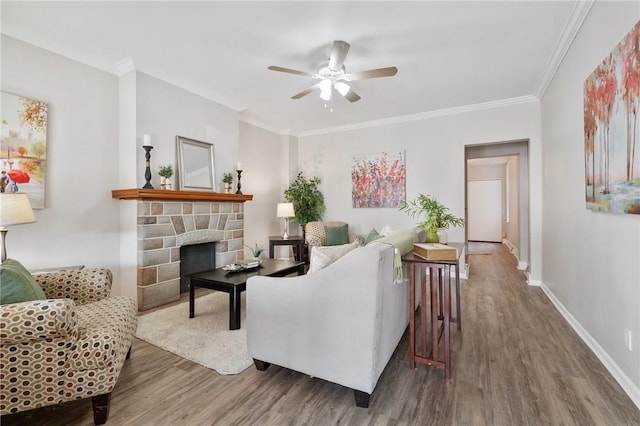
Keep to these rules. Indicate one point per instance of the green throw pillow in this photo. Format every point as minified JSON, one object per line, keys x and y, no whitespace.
{"x":373,"y":235}
{"x":337,"y":235}
{"x":17,"y":285}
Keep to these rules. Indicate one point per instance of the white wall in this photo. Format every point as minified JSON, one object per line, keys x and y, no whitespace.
{"x":165,"y":111}
{"x":592,"y":260}
{"x":128,"y":171}
{"x":485,"y":172}
{"x":79,"y":224}
{"x":435,"y":162}
{"x":264,"y":157}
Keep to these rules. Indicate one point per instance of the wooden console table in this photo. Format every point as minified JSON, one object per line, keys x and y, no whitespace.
{"x":440,"y":300}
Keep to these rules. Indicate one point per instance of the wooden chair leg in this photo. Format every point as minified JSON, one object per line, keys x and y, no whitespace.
{"x":100,"y":405}
{"x":362,"y":398}
{"x":261,"y":365}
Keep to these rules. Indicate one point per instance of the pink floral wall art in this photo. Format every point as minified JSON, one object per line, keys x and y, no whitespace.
{"x":612,"y":128}
{"x":378,"y":180}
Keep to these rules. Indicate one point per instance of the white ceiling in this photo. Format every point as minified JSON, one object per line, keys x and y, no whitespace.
{"x":449,"y":54}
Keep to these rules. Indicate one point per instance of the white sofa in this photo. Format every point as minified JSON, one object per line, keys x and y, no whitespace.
{"x":340,"y":324}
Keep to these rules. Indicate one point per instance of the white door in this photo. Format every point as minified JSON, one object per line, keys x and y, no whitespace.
{"x":484,"y":210}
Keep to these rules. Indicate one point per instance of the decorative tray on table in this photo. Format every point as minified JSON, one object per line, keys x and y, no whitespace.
{"x":242,"y":265}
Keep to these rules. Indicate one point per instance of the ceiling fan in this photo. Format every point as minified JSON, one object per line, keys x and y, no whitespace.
{"x":333,"y":75}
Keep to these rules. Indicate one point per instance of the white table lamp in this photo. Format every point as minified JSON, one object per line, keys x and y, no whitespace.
{"x":15,"y":209}
{"x":285,"y":210}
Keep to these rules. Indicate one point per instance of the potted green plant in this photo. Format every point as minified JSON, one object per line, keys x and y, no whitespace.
{"x":256,"y":250}
{"x":165,"y":173}
{"x":227,"y":179}
{"x":437,"y":215}
{"x":307,"y":199}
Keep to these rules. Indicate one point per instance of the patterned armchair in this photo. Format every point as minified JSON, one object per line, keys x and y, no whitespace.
{"x":70,"y":346}
{"x":316,"y":234}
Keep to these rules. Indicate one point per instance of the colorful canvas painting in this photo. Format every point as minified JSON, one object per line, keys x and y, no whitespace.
{"x":378,"y":180}
{"x":612,"y":128}
{"x":23,"y":147}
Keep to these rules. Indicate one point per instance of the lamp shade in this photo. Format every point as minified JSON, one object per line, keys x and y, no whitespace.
{"x":15,"y":209}
{"x":285,"y":210}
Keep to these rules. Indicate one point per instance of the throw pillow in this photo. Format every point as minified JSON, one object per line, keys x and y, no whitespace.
{"x":323,"y":256}
{"x":17,"y":285}
{"x":337,"y":235}
{"x":386,"y":231}
{"x":373,"y":235}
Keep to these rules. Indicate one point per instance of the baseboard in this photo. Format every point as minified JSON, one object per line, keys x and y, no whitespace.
{"x":516,"y":253}
{"x":627,"y":385}
{"x":534,"y":283}
{"x":509,"y":245}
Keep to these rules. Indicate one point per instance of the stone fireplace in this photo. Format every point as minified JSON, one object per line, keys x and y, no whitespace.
{"x":168,"y":220}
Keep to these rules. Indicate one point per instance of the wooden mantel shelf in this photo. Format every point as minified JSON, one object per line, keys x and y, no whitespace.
{"x":170,"y":195}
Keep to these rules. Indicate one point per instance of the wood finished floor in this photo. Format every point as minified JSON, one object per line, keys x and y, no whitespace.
{"x":516,"y":362}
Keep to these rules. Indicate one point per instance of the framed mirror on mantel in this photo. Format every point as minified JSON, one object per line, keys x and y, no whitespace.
{"x":196,"y":165}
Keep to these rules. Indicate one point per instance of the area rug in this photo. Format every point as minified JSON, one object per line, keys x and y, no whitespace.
{"x":205,"y":339}
{"x":475,"y":248}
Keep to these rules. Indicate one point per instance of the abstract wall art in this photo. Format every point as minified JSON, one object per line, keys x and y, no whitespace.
{"x":378,"y":180}
{"x":23,"y":147}
{"x":612,"y":129}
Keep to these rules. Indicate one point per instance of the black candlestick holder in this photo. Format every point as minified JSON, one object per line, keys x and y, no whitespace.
{"x":239,"y":186}
{"x":147,"y":172}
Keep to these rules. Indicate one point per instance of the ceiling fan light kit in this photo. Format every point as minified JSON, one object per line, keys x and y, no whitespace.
{"x":325,"y":89}
{"x":333,"y":75}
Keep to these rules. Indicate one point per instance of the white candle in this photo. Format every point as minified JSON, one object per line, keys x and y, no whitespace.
{"x":239,"y":166}
{"x":146,"y":140}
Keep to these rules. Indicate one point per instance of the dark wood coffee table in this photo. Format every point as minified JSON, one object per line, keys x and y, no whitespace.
{"x":235,"y":283}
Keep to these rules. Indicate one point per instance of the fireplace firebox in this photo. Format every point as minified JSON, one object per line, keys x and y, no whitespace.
{"x":196,"y":258}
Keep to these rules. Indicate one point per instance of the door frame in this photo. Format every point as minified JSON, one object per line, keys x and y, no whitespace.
{"x":518,"y":148}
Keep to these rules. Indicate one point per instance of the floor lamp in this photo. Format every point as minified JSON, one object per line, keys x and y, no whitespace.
{"x":15,"y":209}
{"x":285,"y":210}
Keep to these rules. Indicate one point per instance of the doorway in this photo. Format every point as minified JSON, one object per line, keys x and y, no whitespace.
{"x":497,"y":196}
{"x":484,"y":198}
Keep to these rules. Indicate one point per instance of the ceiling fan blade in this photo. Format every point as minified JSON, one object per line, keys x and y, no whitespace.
{"x":306,"y":91}
{"x":377,"y":73}
{"x":338,"y":54}
{"x":352,"y":96}
{"x":290,"y":71}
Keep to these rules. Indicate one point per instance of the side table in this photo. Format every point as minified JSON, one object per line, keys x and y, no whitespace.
{"x":440,"y":297}
{"x":294,"y":240}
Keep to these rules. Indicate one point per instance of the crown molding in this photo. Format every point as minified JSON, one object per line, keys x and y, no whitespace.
{"x":124,"y":66}
{"x":424,"y":115}
{"x":245,"y":117}
{"x":574,"y":23}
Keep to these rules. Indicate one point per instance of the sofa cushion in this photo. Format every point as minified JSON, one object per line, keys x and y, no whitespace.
{"x":17,"y":285}
{"x":323,"y":256}
{"x":373,"y":235}
{"x":337,"y":235}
